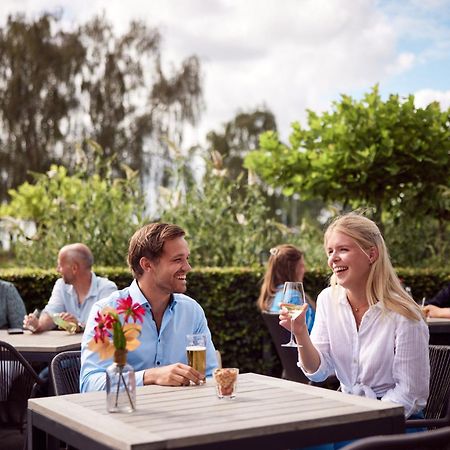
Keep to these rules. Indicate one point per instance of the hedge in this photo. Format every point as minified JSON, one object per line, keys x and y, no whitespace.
{"x":228,"y":296}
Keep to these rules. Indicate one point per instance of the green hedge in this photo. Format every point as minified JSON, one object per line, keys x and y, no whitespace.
{"x":228,"y":297}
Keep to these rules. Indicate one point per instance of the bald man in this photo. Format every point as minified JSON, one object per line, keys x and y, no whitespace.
{"x":75,"y":292}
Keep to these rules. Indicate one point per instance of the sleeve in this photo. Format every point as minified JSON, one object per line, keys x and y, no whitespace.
{"x":321,"y":341}
{"x":92,"y":373}
{"x":106,"y":288}
{"x":15,"y":307}
{"x":56,"y":303}
{"x":411,"y":367}
{"x":442,"y":298}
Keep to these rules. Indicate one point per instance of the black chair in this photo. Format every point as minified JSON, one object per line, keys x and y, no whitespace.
{"x":18,"y":383}
{"x":287,"y":355}
{"x":423,"y":440}
{"x":437,"y":411}
{"x":65,"y":372}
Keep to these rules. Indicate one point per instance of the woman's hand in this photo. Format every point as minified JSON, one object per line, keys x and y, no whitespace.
{"x":298,"y":324}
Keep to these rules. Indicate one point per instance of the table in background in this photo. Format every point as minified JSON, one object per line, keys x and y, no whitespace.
{"x":42,"y":347}
{"x":439,"y":331}
{"x":268,"y":413}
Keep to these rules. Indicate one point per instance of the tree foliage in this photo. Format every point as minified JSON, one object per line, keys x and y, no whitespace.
{"x":388,"y":155}
{"x":228,"y":221}
{"x":58,"y":209}
{"x":240,"y":135}
{"x":61,"y":87}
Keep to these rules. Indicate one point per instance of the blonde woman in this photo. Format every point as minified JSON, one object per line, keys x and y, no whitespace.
{"x":286,"y":263}
{"x":368,"y":330}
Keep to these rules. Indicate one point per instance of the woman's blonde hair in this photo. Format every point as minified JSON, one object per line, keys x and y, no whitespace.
{"x":383,"y":284}
{"x":281,"y":267}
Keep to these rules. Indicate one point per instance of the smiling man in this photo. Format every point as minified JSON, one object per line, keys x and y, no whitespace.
{"x":158,"y":256}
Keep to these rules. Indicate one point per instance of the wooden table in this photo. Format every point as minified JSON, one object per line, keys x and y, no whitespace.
{"x":42,"y":346}
{"x":439,"y":331}
{"x":268,"y":413}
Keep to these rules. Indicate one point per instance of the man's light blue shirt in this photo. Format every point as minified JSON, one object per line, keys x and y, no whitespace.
{"x":182,"y":316}
{"x":64,"y":297}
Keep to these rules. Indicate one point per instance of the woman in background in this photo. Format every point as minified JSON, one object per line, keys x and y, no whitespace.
{"x":286,"y":263}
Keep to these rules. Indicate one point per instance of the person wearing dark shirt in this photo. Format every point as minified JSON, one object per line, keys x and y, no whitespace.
{"x":439,"y":305}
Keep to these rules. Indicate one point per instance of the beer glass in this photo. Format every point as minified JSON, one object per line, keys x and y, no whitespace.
{"x":196,"y":352}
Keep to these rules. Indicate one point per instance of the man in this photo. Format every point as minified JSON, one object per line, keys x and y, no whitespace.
{"x":75,"y":292}
{"x":439,"y":305}
{"x":158,"y":257}
{"x":12,"y":308}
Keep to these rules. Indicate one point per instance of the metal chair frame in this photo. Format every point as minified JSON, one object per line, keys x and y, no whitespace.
{"x":18,"y":383}
{"x":65,"y":372}
{"x":422,"y":440}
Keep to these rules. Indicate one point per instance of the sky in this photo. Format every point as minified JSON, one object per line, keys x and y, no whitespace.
{"x":286,"y":55}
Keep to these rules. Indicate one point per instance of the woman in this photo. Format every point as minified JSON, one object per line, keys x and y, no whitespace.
{"x":368,"y":330}
{"x":286,"y":263}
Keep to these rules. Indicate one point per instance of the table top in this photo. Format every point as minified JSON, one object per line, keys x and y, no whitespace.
{"x":53,"y":341}
{"x":437,"y":320}
{"x":183,"y":417}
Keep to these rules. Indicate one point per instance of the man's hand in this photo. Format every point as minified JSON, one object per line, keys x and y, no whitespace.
{"x":174,"y":375}
{"x":68,"y":317}
{"x":435,"y":311}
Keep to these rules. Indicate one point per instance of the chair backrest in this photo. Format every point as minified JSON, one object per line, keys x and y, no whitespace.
{"x":423,"y":440}
{"x":18,"y":383}
{"x":439,"y":397}
{"x":287,"y":355}
{"x":65,"y":372}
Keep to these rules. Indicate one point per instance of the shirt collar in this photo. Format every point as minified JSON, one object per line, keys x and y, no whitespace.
{"x":138,"y":296}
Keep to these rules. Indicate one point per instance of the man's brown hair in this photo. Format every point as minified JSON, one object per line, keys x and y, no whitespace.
{"x":148,"y":242}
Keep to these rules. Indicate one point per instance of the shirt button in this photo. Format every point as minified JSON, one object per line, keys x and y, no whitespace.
{"x":158,"y":363}
{"x":159,"y":340}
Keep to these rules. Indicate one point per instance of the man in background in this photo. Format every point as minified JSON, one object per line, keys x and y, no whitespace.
{"x":74,"y":293}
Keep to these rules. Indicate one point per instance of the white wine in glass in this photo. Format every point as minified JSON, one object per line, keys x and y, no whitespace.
{"x":294,"y":302}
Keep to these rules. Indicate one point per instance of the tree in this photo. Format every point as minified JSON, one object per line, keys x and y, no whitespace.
{"x":58,"y":88}
{"x":239,"y":136}
{"x":37,"y":92}
{"x":388,"y":155}
{"x":97,"y":209}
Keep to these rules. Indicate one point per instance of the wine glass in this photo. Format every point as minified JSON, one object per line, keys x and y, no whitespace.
{"x":294,"y":302}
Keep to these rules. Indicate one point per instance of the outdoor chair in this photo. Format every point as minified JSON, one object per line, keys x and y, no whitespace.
{"x":65,"y":372}
{"x":437,"y":411}
{"x":423,"y":440}
{"x":287,"y":355}
{"x":18,"y":383}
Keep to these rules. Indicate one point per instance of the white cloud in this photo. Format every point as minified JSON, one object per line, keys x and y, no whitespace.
{"x":424,"y":97}
{"x":289,"y":55}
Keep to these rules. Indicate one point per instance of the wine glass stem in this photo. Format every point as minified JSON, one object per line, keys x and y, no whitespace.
{"x":292,"y":332}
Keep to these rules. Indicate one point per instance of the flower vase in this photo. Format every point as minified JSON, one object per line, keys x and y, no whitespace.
{"x":120,"y":384}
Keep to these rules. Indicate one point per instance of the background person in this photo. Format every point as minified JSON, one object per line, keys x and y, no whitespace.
{"x":367,"y":330}
{"x":158,"y":257}
{"x":12,"y":307}
{"x":439,"y":305}
{"x":286,"y":263}
{"x":75,"y":292}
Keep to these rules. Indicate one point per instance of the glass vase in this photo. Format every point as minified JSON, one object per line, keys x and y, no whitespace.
{"x":120,"y":384}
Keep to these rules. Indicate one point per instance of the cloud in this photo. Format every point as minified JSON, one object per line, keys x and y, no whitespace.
{"x":424,"y":97}
{"x":289,"y":55}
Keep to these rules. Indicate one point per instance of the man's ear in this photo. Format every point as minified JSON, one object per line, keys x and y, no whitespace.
{"x":145,"y":264}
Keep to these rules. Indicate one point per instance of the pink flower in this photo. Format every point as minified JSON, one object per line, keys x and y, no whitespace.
{"x":104,"y":323}
{"x":128,"y":309}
